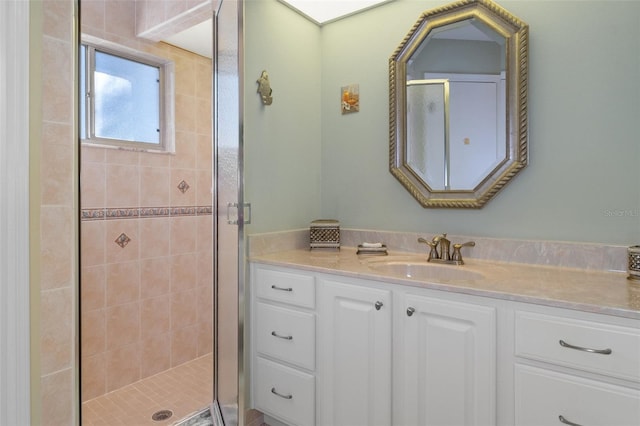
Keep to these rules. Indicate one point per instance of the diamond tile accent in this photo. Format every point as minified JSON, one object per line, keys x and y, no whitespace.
{"x":122,"y":240}
{"x":183,"y":186}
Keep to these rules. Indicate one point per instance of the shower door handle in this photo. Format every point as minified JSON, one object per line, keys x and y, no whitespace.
{"x":235,"y":206}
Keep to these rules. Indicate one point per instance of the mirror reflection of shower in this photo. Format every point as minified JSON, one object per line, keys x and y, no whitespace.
{"x":147,"y":243}
{"x":461,"y":135}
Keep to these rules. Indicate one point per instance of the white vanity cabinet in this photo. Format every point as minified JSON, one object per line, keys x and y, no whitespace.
{"x":354,"y":347}
{"x":283,"y":337}
{"x":576,"y":371}
{"x":330,"y":350}
{"x":446,"y":362}
{"x":436,"y":366}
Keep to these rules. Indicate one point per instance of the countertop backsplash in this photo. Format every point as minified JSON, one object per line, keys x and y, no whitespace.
{"x":586,"y":256}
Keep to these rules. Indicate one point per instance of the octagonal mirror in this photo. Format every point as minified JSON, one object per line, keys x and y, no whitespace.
{"x":458,"y":104}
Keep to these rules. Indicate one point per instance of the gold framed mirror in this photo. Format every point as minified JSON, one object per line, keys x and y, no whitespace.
{"x":458,"y":104}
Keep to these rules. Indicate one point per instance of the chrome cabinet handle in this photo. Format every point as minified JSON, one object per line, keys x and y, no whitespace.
{"x":567,"y":422}
{"x":378,"y":305}
{"x":279,"y":336}
{"x":275,"y":287}
{"x":273,"y":391}
{"x":410,"y":311}
{"x":579,"y":348}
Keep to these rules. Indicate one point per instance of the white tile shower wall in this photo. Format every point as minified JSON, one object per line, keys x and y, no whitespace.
{"x":550,"y":253}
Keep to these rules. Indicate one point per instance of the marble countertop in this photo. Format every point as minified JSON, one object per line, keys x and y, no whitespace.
{"x":601,"y":292}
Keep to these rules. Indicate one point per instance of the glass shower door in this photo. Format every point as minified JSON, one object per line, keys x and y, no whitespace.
{"x":229,"y":223}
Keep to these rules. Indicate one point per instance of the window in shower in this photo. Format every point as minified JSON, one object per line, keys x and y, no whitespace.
{"x":127,"y":97}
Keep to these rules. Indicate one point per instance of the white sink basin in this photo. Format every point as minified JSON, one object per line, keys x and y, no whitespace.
{"x":420,"y":269}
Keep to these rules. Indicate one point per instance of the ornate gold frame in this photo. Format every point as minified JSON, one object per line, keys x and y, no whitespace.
{"x":516,"y":34}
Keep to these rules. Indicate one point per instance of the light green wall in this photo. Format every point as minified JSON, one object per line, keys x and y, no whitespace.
{"x":283,"y":140}
{"x":458,"y":56}
{"x":582,"y":183}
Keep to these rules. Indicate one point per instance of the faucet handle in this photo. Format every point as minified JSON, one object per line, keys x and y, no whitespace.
{"x":433,"y":253}
{"x":457,"y":256}
{"x":467,"y":244}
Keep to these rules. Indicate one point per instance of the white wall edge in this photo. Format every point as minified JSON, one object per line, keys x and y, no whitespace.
{"x":14,"y":213}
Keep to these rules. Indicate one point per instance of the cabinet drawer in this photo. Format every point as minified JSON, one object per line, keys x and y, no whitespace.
{"x":543,"y":396}
{"x":539,"y":337}
{"x":286,"y":334}
{"x":285,"y":393}
{"x":287,"y":287}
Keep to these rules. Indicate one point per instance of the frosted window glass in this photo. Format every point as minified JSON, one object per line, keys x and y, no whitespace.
{"x":126,"y":99}
{"x":83,"y":91}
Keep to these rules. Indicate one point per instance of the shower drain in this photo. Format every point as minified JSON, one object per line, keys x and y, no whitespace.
{"x":161,"y":415}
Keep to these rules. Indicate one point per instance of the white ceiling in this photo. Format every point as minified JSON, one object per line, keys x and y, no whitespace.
{"x":324,"y":11}
{"x":199,"y":39}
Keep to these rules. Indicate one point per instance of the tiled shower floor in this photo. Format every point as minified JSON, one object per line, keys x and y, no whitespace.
{"x":183,"y":390}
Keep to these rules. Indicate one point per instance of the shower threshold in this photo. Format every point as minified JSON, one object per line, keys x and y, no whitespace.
{"x":210,"y":416}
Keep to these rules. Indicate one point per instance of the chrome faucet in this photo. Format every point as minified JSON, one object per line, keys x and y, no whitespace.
{"x":444,"y":255}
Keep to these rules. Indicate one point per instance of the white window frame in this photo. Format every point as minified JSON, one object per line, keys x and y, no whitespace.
{"x":167,"y":102}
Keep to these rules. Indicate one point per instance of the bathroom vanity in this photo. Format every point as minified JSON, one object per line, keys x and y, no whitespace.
{"x":342,"y":339}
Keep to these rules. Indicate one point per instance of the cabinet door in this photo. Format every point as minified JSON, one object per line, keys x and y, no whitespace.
{"x":550,"y":398}
{"x":446,"y":365}
{"x":354,"y":364}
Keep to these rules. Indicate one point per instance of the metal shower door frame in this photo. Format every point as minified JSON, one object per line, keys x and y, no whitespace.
{"x":228,"y":236}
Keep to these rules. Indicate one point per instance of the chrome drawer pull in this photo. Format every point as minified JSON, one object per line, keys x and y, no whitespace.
{"x":378,"y":305}
{"x":275,"y":287}
{"x":410,"y":311}
{"x":578,"y":348}
{"x":273,"y":391}
{"x":567,"y":422}
{"x":273,"y":333}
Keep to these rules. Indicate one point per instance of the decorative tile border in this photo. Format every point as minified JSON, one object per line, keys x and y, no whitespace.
{"x":121,"y":213}
{"x":155,"y":211}
{"x":92,"y":214}
{"x":144,"y":212}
